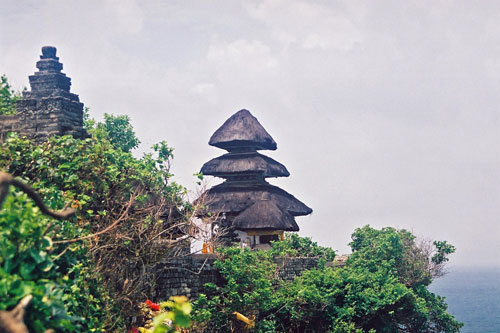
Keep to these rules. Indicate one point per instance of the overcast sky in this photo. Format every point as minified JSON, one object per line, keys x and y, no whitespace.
{"x":385,"y":112}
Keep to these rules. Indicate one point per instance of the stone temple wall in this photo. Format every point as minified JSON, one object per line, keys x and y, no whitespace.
{"x":187,"y":275}
{"x":49,"y":108}
{"x":8,"y":123}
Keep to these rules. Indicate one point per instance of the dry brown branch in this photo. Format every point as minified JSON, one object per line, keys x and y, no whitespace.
{"x":123,"y":215}
{"x":428,"y":249}
{"x":127,"y":255}
{"x":12,"y":321}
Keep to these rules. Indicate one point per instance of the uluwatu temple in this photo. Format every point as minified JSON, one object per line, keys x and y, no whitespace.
{"x":245,"y":209}
{"x":248,"y":209}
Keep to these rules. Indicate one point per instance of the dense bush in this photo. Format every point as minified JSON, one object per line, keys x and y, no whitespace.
{"x":66,"y":294}
{"x":372,"y":292}
{"x":127,"y":212}
{"x":295,"y":246}
{"x":251,"y":285}
{"x":118,"y":130}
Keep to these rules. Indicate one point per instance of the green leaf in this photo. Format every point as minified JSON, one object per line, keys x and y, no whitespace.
{"x":26,"y":269}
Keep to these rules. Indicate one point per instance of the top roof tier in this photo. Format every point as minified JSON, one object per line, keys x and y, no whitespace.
{"x":49,"y":76}
{"x":242,"y":132}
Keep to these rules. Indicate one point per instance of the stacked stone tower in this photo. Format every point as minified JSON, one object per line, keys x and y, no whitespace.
{"x":249,"y":208}
{"x":49,"y":108}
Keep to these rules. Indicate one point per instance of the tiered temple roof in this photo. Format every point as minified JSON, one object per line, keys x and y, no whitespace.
{"x":247,"y":200}
{"x":231,"y":164}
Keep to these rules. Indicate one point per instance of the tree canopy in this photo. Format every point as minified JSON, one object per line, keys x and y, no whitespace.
{"x":372,"y":293}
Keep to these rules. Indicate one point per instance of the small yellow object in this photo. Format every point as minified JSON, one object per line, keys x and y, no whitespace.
{"x":250,"y":323}
{"x":179,"y":299}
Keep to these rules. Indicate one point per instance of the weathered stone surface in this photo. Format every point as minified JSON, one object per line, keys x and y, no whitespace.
{"x":187,"y":275}
{"x":49,"y":108}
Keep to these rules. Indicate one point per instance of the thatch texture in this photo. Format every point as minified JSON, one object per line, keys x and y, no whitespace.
{"x":242,"y":130}
{"x":232,"y":197}
{"x":265,"y":215}
{"x":244,"y":163}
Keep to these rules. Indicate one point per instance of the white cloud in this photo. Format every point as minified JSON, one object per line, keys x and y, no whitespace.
{"x":128,"y":16}
{"x":308,"y":24}
{"x":402,"y":130}
{"x":241,"y":55}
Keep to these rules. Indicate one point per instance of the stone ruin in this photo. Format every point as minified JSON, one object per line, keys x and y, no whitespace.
{"x":49,"y":108}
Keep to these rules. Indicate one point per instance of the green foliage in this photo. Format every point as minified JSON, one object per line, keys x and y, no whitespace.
{"x":373,"y":292}
{"x":247,"y":288}
{"x":109,"y":188}
{"x":94,"y":175}
{"x":199,"y":177}
{"x":251,"y":285}
{"x":296,"y":246}
{"x":30,"y":263}
{"x":8,"y":97}
{"x":27,"y":266}
{"x":167,"y":317}
{"x":117,"y":129}
{"x":178,"y":314}
{"x":443,"y":250}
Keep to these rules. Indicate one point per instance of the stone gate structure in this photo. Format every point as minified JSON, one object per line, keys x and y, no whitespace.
{"x":49,"y":108}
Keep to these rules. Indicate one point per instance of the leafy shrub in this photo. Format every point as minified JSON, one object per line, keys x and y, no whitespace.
{"x":251,"y":285}
{"x":118,"y":130}
{"x":128,"y":204}
{"x":247,"y":288}
{"x":174,"y":315}
{"x":31,"y":264}
{"x":296,"y":246}
{"x":371,"y":293}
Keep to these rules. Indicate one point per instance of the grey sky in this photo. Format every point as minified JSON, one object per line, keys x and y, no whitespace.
{"x":385,"y":112}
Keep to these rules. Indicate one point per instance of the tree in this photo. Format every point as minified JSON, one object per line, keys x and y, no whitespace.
{"x":119,"y":131}
{"x":417,"y":261}
{"x":383,"y":287}
{"x":8,"y":97}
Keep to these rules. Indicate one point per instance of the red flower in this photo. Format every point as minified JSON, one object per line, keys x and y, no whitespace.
{"x":152,"y":306}
{"x":133,"y":330}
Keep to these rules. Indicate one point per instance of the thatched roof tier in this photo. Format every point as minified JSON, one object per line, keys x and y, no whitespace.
{"x":265,"y":215}
{"x":240,"y":131}
{"x":244,"y":163}
{"x":232,"y":197}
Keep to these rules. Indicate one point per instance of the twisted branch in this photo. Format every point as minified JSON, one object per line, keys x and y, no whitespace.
{"x":6,"y":180}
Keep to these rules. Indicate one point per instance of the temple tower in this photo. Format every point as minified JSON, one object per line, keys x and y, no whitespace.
{"x":250,"y":209}
{"x":49,"y":108}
